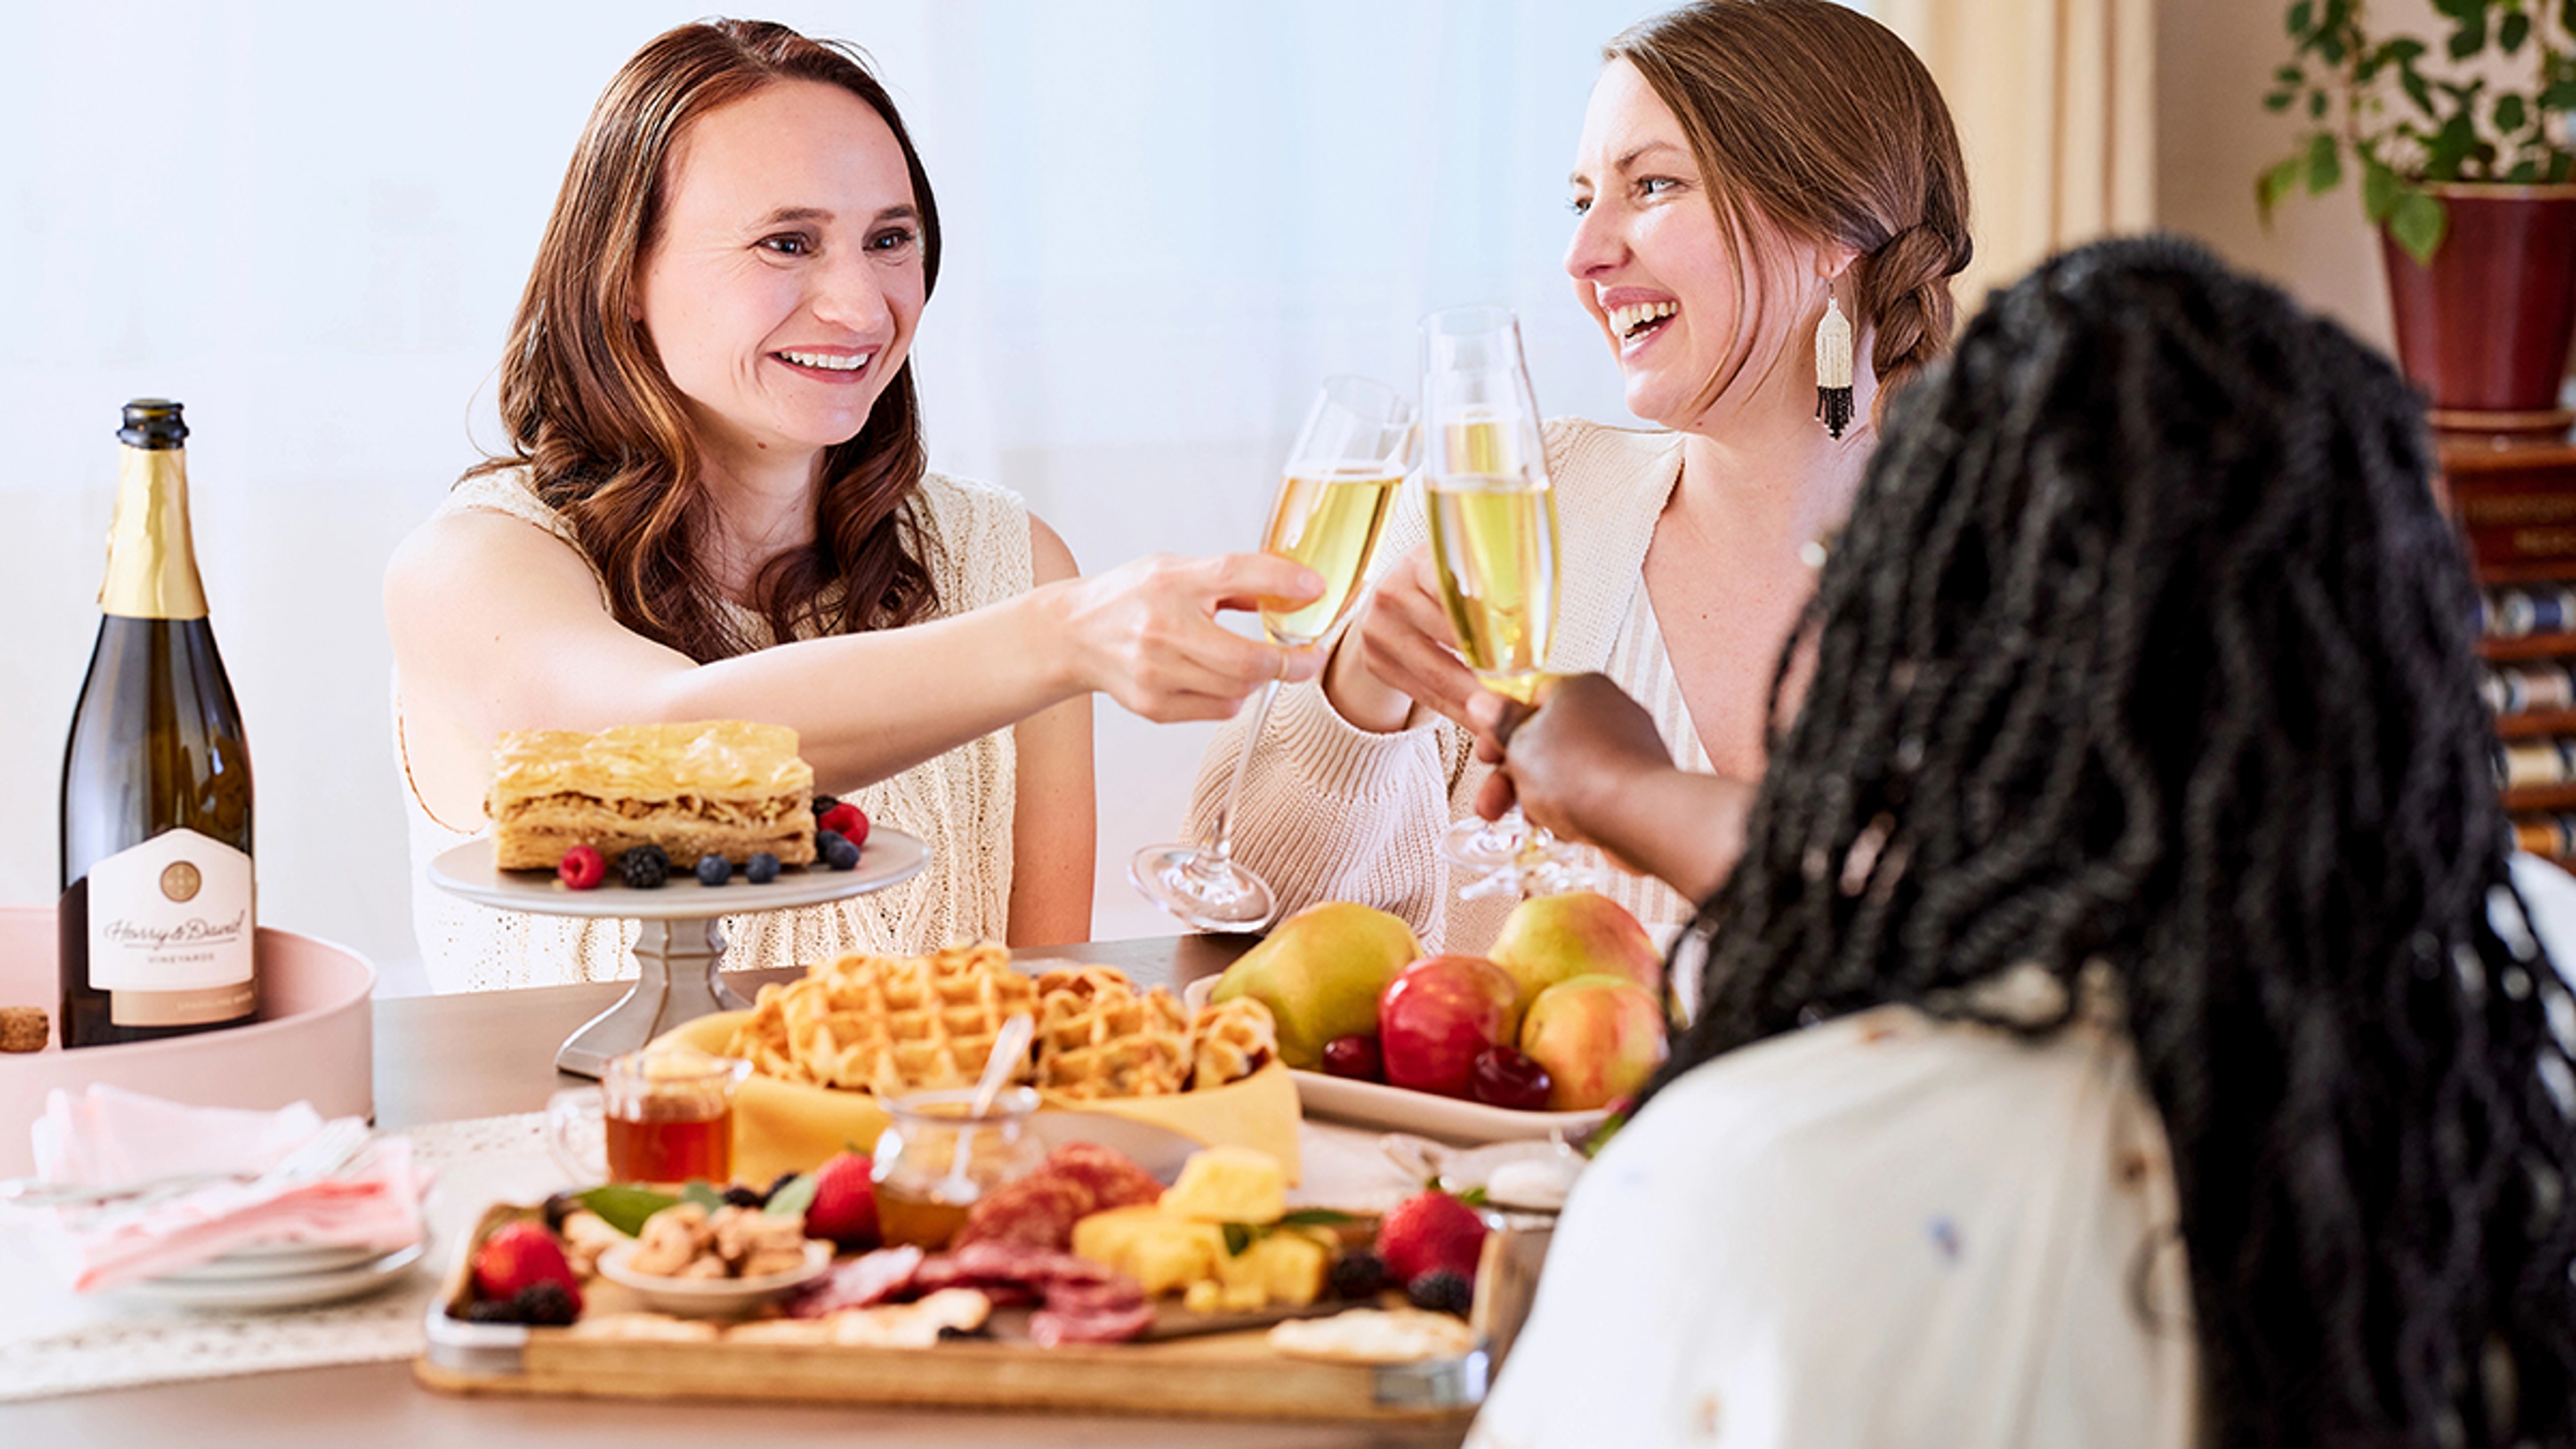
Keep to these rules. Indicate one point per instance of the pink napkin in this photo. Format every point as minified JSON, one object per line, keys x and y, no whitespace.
{"x":109,"y":1137}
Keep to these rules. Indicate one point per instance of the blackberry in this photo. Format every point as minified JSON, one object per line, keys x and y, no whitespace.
{"x":1359,"y":1275}
{"x":1442,"y":1290}
{"x":645,"y":868}
{"x":548,"y":1304}
{"x":836,"y":850}
{"x":778,"y":1183}
{"x":489,"y":1310}
{"x":825,"y":804}
{"x":761,"y":869}
{"x":714,"y":869}
{"x":745,"y":1197}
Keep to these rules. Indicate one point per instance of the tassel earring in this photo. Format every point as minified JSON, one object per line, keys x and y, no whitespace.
{"x":1834,"y":368}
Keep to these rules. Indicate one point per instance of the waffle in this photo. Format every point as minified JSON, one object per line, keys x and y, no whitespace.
{"x":886,"y":1024}
{"x":1230,"y":1040}
{"x":1098,"y":1038}
{"x":726,"y":787}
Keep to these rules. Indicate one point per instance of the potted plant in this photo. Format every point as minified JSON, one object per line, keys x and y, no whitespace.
{"x":2466,"y":174}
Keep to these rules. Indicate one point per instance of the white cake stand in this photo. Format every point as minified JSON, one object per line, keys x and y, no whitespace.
{"x":683,"y":944}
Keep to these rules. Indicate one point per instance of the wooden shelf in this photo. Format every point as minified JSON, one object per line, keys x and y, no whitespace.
{"x":2540,"y":798}
{"x":2535,"y":724}
{"x":2529,"y":646}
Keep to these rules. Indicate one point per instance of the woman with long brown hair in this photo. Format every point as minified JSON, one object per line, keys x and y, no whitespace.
{"x":717,"y":505}
{"x":1745,"y":167}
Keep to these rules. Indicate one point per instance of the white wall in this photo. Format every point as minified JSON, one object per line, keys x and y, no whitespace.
{"x":309,"y":222}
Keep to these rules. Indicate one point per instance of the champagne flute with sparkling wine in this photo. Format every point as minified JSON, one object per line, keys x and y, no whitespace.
{"x":1493,"y":542}
{"x":1337,"y":490}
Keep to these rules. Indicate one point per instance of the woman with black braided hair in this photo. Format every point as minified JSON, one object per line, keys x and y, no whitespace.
{"x":2123,"y":1024}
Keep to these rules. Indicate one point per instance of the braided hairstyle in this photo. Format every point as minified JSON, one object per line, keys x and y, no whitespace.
{"x":1815,"y":118}
{"x":2147,"y":650}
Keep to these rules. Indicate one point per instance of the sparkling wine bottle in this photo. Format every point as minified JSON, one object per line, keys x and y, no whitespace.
{"x":157,"y":914}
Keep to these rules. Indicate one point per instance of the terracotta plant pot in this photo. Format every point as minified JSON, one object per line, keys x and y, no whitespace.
{"x":2484,"y":330}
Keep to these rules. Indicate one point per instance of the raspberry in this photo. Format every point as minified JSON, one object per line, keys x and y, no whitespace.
{"x":1358,"y":1275}
{"x":545,"y":1303}
{"x":581,"y":868}
{"x":1442,"y":1290}
{"x":644,"y":868}
{"x":836,"y":850}
{"x":714,"y":870}
{"x":761,"y":869}
{"x":847,"y":821}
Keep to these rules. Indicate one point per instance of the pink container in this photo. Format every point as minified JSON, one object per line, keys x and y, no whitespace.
{"x":314,"y":1041}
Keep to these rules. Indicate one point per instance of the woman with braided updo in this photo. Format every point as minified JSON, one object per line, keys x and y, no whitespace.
{"x":1742,"y":163}
{"x":2124,"y":1024}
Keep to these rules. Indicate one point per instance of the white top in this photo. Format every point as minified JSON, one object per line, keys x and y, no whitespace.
{"x":1332,"y":812}
{"x":962,"y":803}
{"x":1884,"y":1230}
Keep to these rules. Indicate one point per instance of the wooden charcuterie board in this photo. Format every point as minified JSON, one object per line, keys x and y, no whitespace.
{"x":1226,"y":1374}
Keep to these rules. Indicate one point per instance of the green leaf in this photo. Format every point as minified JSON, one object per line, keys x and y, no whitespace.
{"x":2471,"y":37}
{"x":792,"y":1199}
{"x":2513,"y":32}
{"x":2379,"y":190}
{"x":624,"y":1206}
{"x":2302,"y":15}
{"x":2417,"y":90}
{"x":2417,"y":222}
{"x":2316,"y":105}
{"x":2332,"y":48}
{"x":703,"y":1195}
{"x":2526,"y":172}
{"x":2509,"y":114}
{"x":1317,"y":1218}
{"x":2290,"y":75}
{"x":2408,"y":48}
{"x":2278,"y":101}
{"x":2325,"y":163}
{"x":2559,"y":95}
{"x":1238,"y":1238}
{"x":2275,"y":187}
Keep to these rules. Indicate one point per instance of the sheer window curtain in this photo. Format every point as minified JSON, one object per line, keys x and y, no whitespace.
{"x":2055,"y":104}
{"x":1165,"y":222}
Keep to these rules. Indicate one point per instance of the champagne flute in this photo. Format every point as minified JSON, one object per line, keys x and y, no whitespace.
{"x":1334,"y":497}
{"x":1493,"y":542}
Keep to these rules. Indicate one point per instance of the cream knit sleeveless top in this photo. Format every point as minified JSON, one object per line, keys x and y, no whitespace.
{"x":976,"y":541}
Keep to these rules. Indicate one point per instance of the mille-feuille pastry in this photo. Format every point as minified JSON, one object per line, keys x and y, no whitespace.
{"x":725,"y":787}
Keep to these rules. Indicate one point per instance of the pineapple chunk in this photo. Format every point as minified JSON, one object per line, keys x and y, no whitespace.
{"x":1228,"y":1185}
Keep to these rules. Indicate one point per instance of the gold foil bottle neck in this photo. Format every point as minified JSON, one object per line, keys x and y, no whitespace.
{"x":151,"y":556}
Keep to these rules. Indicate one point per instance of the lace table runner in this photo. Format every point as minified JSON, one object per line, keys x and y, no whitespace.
{"x":53,"y":1343}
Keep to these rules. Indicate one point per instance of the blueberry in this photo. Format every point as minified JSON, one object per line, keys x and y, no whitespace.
{"x":824,"y":804}
{"x":644,"y":868}
{"x":1442,"y":1290}
{"x":761,"y":869}
{"x":836,"y":850}
{"x":714,"y":870}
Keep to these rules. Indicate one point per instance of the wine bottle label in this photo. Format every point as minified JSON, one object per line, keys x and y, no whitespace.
{"x":173,"y":915}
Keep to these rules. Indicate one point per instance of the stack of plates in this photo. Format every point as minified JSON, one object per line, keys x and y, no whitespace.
{"x":280,"y":1275}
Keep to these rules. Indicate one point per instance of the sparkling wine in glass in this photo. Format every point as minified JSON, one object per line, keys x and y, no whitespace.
{"x":1493,"y":542}
{"x":1334,"y":496}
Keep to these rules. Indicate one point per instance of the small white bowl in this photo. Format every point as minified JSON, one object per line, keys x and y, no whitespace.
{"x":711,"y":1297}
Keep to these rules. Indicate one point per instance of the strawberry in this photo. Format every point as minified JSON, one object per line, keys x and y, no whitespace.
{"x":845,"y":1202}
{"x":1429,"y":1232}
{"x":519,"y":1255}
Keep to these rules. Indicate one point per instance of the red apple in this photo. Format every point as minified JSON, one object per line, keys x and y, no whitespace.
{"x":1600,"y":1038}
{"x":1436,"y":1015}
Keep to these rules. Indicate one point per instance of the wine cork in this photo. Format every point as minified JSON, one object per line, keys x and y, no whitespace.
{"x":2523,"y":688}
{"x":25,"y":1029}
{"x":2535,"y":834}
{"x":2534,"y":762}
{"x":2552,"y":610}
{"x":2505,"y":614}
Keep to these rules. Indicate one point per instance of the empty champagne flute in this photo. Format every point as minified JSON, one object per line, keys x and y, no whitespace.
{"x":1493,"y":543}
{"x":1340,"y":484}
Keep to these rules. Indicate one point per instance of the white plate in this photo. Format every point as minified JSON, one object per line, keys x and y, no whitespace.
{"x":1401,"y":1109}
{"x":291,"y":1290}
{"x":889,"y":858}
{"x":274,"y":1260}
{"x":711,"y":1297}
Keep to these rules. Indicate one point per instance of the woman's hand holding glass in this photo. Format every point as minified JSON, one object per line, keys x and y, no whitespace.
{"x":1145,"y":633}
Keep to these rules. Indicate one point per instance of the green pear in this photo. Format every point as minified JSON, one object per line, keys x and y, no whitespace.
{"x":1548,"y":939}
{"x":1320,"y":972}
